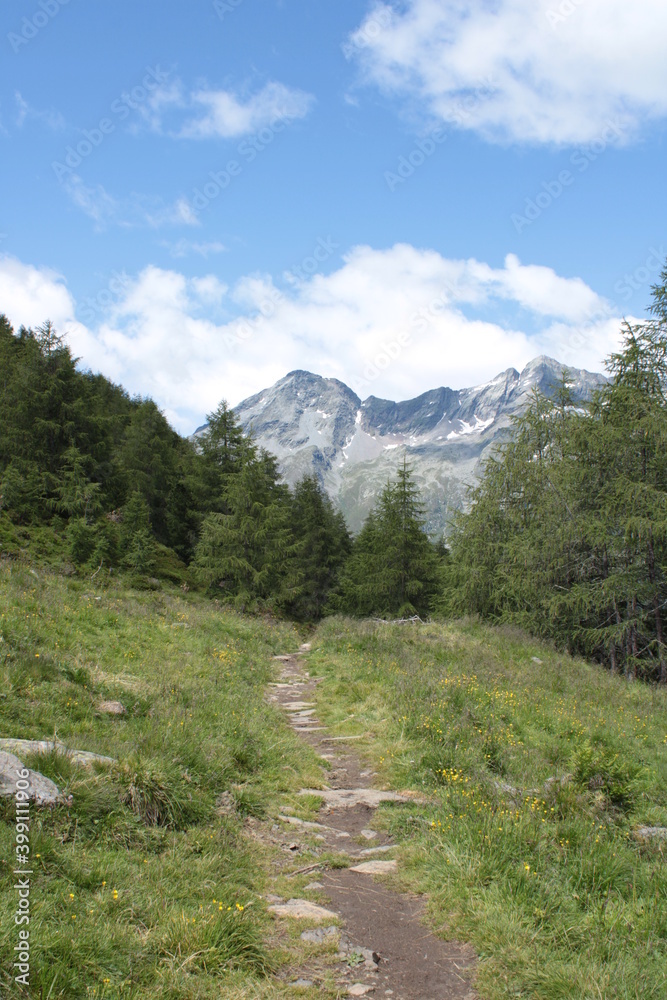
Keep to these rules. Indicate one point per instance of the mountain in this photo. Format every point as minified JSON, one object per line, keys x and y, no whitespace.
{"x":319,"y":424}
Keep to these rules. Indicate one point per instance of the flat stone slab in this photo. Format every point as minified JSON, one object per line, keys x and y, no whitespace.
{"x":48,"y":746}
{"x":302,"y":909}
{"x":295,"y":706}
{"x":360,"y":990}
{"x":319,"y":935}
{"x":42,"y":791}
{"x":305,"y":825}
{"x":305,"y":647}
{"x":283,"y":658}
{"x":375,"y":867}
{"x":342,"y":739}
{"x":347,"y":798}
{"x":302,"y":823}
{"x":305,"y":714}
{"x":651,"y":833}
{"x":376,"y":850}
{"x":369,"y":834}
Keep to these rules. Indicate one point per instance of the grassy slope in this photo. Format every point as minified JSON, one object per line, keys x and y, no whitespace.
{"x":122,"y":907}
{"x":556,"y":894}
{"x":552,"y":889}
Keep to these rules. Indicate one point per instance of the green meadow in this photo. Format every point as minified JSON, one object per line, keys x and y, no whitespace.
{"x":535,"y":771}
{"x":531,"y":774}
{"x":145,"y":885}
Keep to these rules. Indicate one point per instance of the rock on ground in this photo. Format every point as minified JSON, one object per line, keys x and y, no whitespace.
{"x":42,"y":791}
{"x":48,"y":746}
{"x":347,"y":798}
{"x":375,"y":867}
{"x":111,"y":707}
{"x":318,"y":935}
{"x":302,"y":909}
{"x":651,"y":833}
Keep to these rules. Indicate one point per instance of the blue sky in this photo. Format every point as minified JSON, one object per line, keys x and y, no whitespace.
{"x":205,"y":196}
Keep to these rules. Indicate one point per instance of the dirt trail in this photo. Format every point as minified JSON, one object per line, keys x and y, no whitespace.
{"x":384,"y":948}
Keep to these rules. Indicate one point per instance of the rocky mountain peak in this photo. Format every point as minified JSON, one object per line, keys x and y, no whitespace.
{"x":312,"y":423}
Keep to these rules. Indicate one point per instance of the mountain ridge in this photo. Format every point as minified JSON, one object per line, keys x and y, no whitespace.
{"x":316,"y":424}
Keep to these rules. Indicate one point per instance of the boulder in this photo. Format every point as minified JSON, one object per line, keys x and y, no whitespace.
{"x":42,"y":791}
{"x":111,"y":707}
{"x":651,"y":833}
{"x":48,"y":746}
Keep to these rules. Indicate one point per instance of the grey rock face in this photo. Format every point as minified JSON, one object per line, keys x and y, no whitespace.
{"x":314,"y":424}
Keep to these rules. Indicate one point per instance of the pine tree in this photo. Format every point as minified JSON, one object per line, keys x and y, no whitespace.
{"x":567,"y":532}
{"x":224,"y":450}
{"x":321,"y":544}
{"x":137,"y":542}
{"x":243,"y":552}
{"x":394,"y":568}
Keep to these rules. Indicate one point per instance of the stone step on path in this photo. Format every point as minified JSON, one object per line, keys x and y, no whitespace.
{"x":302,"y":909}
{"x":348,"y":798}
{"x":375,"y":867}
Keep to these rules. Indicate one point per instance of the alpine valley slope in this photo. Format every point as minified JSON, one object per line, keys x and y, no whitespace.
{"x":318,"y":424}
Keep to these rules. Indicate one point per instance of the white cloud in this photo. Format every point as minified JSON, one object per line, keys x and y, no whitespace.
{"x":29,"y":295}
{"x":190,"y":342}
{"x":93,"y":200}
{"x":52,"y":119}
{"x":135,"y":210}
{"x":224,"y":114}
{"x":537,"y":71}
{"x":183,"y":248}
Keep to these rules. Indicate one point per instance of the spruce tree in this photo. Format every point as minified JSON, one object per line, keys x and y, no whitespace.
{"x":567,"y":531}
{"x":394,"y":568}
{"x":242,"y":552}
{"x":224,"y":450}
{"x":321,"y":544}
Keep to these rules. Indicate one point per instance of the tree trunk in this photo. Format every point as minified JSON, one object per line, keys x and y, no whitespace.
{"x":661,"y":640}
{"x":656,"y":611}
